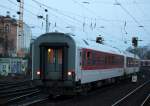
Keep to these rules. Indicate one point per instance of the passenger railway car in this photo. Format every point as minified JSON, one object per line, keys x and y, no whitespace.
{"x":131,"y":63}
{"x":145,"y":65}
{"x":65,"y":63}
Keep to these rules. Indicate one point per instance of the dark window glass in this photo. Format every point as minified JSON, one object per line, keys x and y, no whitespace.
{"x":88,"y":55}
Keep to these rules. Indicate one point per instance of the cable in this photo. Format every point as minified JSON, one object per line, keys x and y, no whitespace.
{"x":139,"y":8}
{"x":30,"y":11}
{"x":25,"y":9}
{"x":89,"y":10}
{"x":16,"y":10}
{"x":5,"y":7}
{"x":12,"y":2}
{"x":127,"y":12}
{"x":56,"y":10}
{"x":59,"y":12}
{"x":94,"y":13}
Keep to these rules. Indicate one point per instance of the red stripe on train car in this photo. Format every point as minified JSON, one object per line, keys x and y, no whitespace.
{"x":100,"y":67}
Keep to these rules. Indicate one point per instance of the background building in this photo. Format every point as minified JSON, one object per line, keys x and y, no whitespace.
{"x":24,"y":40}
{"x":11,"y":43}
{"x":8,"y":35}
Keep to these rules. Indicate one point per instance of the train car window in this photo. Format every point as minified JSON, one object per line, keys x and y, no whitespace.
{"x":121,"y":62}
{"x":128,"y":62}
{"x":141,"y":63}
{"x":83,"y":58}
{"x":105,"y":59}
{"x":109,"y":59}
{"x":112,"y":60}
{"x":88,"y":58}
{"x":50,"y":53}
{"x":88,"y":55}
{"x":102,"y":60}
{"x":93,"y":58}
{"x":117,"y":59}
{"x":146,"y":63}
{"x":96,"y":58}
{"x":59,"y":56}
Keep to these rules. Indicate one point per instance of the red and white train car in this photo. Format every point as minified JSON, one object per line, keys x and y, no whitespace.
{"x":145,"y":64}
{"x":62,"y":61}
{"x":131,"y":63}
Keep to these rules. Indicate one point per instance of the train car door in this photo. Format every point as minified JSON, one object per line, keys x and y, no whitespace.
{"x":53,"y":62}
{"x":53,"y":66}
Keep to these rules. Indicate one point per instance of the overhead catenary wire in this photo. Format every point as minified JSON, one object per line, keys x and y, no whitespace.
{"x":140,"y":9}
{"x":89,"y":10}
{"x":71,"y":16}
{"x":95,"y":14}
{"x":35,"y":14}
{"x":60,"y":13}
{"x":135,"y":20}
{"x":75,"y":14}
{"x":92,"y":25}
{"x":56,"y":10}
{"x":12,"y":2}
{"x":9,"y":8}
{"x":24,"y":8}
{"x":72,"y":21}
{"x":5,"y":7}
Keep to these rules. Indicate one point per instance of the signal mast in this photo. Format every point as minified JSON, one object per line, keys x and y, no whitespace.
{"x":134,"y":44}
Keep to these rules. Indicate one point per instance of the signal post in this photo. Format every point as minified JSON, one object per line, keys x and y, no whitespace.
{"x":134,"y":44}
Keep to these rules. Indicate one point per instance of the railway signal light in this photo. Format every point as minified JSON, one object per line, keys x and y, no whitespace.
{"x":99,"y":40}
{"x":18,"y":1}
{"x":18,"y":12}
{"x":135,"y":41}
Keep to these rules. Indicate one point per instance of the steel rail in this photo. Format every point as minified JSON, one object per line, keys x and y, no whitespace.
{"x":143,"y":103}
{"x":130,"y":93}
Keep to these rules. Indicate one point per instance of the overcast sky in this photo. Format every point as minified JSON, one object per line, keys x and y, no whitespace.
{"x":116,"y":20}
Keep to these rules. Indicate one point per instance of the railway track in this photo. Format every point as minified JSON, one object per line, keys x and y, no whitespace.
{"x":21,"y":93}
{"x":135,"y":97}
{"x":146,"y":101}
{"x":5,"y":85}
